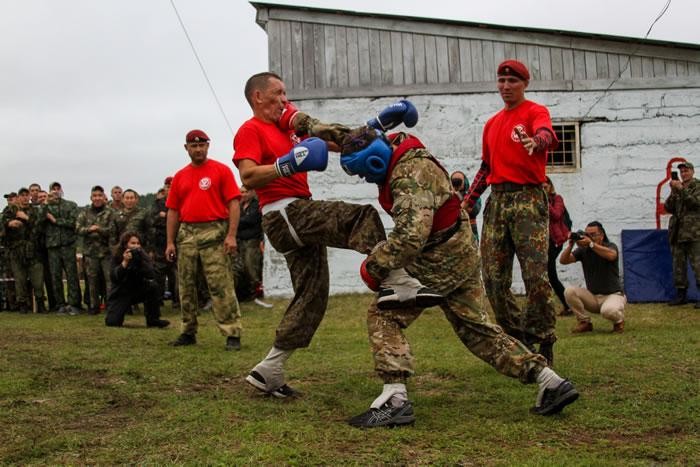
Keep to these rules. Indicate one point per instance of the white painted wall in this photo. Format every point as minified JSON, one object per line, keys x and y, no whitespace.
{"x":623,"y":156}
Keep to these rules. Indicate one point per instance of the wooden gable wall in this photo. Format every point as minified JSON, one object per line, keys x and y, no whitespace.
{"x":322,"y":54}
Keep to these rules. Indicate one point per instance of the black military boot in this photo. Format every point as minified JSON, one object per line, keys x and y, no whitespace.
{"x":24,"y":308}
{"x":681,"y":299}
{"x":184,"y":339}
{"x":40,"y":307}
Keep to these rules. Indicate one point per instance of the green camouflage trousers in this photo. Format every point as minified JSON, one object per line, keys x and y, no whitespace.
{"x":62,"y":258}
{"x":94,"y":268}
{"x":517,"y":223}
{"x":205,"y":242}
{"x":23,"y":268}
{"x":317,"y":225}
{"x":682,"y":253}
{"x":247,"y":269}
{"x":451,"y":268}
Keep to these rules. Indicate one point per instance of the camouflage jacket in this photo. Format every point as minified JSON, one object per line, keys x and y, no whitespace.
{"x":63,"y":231}
{"x":27,"y":235}
{"x":419,"y":187}
{"x":159,"y":234}
{"x":138,"y":220}
{"x":98,"y":243}
{"x":684,"y":207}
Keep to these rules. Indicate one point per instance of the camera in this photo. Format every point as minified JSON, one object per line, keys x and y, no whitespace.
{"x":135,"y":253}
{"x":457,"y":182}
{"x":674,"y":175}
{"x":578,"y":235}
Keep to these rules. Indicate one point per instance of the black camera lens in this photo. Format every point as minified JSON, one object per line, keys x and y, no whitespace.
{"x":456,"y":182}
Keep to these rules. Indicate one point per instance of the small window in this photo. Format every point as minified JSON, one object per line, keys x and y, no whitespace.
{"x":568,"y":154}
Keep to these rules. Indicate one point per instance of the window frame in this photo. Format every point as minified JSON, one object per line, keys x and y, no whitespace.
{"x":577,"y":149}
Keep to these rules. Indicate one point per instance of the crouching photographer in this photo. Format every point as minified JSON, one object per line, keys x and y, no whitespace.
{"x":133,"y":281}
{"x":603,"y":293}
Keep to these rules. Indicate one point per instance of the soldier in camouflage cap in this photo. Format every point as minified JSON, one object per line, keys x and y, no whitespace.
{"x":684,"y":230}
{"x":21,"y":225}
{"x":96,"y":225}
{"x":432,"y":240}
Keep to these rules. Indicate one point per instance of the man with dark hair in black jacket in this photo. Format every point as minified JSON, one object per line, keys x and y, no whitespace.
{"x":248,"y":262}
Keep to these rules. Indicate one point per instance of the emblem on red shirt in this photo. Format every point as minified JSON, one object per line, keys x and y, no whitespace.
{"x":205,"y":183}
{"x":514,"y":134}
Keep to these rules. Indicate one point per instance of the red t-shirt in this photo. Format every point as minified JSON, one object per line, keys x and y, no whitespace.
{"x":264,"y":143}
{"x":201,"y":194}
{"x":501,"y":148}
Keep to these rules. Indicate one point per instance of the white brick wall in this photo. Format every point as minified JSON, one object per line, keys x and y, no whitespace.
{"x":625,"y":146}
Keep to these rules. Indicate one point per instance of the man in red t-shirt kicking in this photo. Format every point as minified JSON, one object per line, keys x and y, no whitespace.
{"x":516,"y":217}
{"x":273,"y":161}
{"x":203,"y":210}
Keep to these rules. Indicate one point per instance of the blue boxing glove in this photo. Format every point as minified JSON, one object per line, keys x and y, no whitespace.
{"x":310,"y":154}
{"x":402,"y":111}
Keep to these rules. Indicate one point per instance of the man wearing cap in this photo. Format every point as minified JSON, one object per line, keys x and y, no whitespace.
{"x":58,"y":217}
{"x":684,"y":230}
{"x":163,"y":267}
{"x":203,"y":204}
{"x":11,"y":198}
{"x":96,"y":225}
{"x":20,"y":222}
{"x":516,"y":217}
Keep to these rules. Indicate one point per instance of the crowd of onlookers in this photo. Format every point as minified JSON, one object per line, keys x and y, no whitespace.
{"x":47,"y":241}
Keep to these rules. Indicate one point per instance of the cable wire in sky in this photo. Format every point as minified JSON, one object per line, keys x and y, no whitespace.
{"x":216,"y":98}
{"x":629,"y":58}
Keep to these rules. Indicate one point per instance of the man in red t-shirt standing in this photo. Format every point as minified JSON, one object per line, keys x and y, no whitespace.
{"x":203,"y":210}
{"x":516,"y":217}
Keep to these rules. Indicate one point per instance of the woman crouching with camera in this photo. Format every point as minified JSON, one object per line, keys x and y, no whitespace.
{"x":133,"y":281}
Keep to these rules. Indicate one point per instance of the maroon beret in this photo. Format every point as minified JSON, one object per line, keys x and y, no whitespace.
{"x":513,"y":68}
{"x":197,"y":136}
{"x":168,"y":180}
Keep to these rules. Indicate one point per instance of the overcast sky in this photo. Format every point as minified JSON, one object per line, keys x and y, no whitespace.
{"x":103,"y":92}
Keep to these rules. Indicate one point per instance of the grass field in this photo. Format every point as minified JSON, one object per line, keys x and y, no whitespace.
{"x":75,"y":392}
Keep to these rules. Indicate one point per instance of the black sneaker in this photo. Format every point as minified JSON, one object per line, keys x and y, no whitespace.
{"x":161,"y":323}
{"x":233,"y":343}
{"x":93,"y":311}
{"x":386,"y":415}
{"x":554,"y":400}
{"x":184,"y":339}
{"x":256,"y":380}
{"x":387,"y":299}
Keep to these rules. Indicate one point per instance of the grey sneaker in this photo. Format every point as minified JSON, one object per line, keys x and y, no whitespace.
{"x":256,"y":380}
{"x":73,"y":310}
{"x":386,"y":415}
{"x":554,"y":400}
{"x":61,"y":310}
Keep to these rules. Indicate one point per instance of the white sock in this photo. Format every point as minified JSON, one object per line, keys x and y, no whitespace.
{"x":394,"y":393}
{"x":272,"y":367}
{"x":547,"y":379}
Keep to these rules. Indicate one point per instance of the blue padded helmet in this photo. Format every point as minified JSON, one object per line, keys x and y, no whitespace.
{"x":372,"y":161}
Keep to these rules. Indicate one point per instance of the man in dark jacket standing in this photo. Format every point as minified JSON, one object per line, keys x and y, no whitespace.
{"x":684,"y":230}
{"x":248,"y":262}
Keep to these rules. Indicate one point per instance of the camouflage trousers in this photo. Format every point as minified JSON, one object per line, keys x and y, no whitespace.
{"x":301,"y":231}
{"x":247,"y":265}
{"x":62,"y":258}
{"x":517,"y":223}
{"x":453,"y":269}
{"x":97,"y":269}
{"x":682,"y":253}
{"x":24,"y":268}
{"x":205,"y":242}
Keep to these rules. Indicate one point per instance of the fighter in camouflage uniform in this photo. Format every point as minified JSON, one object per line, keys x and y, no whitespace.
{"x":21,"y":226}
{"x":96,"y":224}
{"x":58,"y":218}
{"x":684,"y":230}
{"x":433,"y":241}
